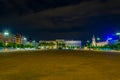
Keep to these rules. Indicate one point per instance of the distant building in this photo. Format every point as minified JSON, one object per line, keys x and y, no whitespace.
{"x":28,"y":43}
{"x":18,"y":39}
{"x":68,"y":44}
{"x":13,"y":39}
{"x":23,"y":40}
{"x":60,"y":43}
{"x":8,"y":39}
{"x":114,"y":42}
{"x":1,"y":37}
{"x":34,"y":43}
{"x":52,"y":44}
{"x":103,"y":43}
{"x":47,"y":44}
{"x":71,"y":44}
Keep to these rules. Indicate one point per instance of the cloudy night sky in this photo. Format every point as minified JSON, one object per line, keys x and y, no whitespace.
{"x":60,"y":19}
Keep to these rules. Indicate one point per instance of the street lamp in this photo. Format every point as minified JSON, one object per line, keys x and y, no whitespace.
{"x":88,"y":41}
{"x":88,"y":44}
{"x":118,"y":34}
{"x":5,"y":34}
{"x":98,"y":39}
{"x":25,"y":38}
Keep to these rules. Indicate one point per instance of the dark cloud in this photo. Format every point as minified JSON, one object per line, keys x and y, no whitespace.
{"x":85,"y":14}
{"x":23,"y":7}
{"x":89,"y":17}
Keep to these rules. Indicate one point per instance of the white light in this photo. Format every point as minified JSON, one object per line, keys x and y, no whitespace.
{"x":117,"y":33}
{"x":6,"y":33}
{"x":109,"y":38}
{"x":25,"y":38}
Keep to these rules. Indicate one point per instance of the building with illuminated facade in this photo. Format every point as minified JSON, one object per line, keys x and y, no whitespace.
{"x":6,"y":39}
{"x":1,"y":37}
{"x":34,"y":43}
{"x":23,"y":40}
{"x":18,"y":39}
{"x":103,"y":43}
{"x":47,"y":44}
{"x":60,"y":44}
{"x":71,"y":44}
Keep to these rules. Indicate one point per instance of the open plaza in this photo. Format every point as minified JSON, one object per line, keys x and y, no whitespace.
{"x":59,"y":65}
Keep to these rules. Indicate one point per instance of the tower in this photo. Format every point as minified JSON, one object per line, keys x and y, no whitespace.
{"x":93,"y":41}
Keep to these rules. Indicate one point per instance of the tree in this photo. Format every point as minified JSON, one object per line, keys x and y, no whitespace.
{"x":1,"y":44}
{"x":14,"y":45}
{"x":9,"y":45}
{"x":51,"y":44}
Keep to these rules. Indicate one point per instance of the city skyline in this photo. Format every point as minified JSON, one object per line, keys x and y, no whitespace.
{"x":59,"y":39}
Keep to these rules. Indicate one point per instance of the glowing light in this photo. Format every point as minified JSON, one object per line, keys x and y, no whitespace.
{"x":88,"y":41}
{"x":109,"y":38}
{"x":117,"y":33}
{"x":25,"y":38}
{"x":6,"y":33}
{"x":98,"y":39}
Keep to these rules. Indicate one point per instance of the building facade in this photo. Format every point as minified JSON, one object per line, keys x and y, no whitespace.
{"x":18,"y":39}
{"x":23,"y":40}
{"x":71,"y":44}
{"x":94,"y":43}
{"x":102,"y":43}
{"x":60,"y":44}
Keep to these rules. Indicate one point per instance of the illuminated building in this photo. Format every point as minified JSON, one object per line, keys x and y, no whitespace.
{"x":23,"y":40}
{"x":34,"y":43}
{"x":73,"y":44}
{"x":47,"y":44}
{"x":102,"y":43}
{"x":60,"y":43}
{"x":6,"y":37}
{"x":1,"y":37}
{"x":52,"y":44}
{"x":18,"y":39}
{"x":114,"y":42}
{"x":13,"y":39}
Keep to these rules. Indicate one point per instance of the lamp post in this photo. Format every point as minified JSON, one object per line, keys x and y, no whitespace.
{"x":5,"y":34}
{"x":88,"y":44}
{"x":118,"y":34}
{"x":98,"y":39}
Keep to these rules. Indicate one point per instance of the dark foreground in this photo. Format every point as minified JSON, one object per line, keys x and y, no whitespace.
{"x":59,"y":65}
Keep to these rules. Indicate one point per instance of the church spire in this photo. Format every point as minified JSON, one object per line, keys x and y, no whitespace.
{"x":93,"y":41}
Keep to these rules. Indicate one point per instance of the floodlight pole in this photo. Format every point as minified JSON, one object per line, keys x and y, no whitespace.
{"x":118,"y":34}
{"x":5,"y":34}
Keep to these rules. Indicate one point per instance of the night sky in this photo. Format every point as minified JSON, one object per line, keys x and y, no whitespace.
{"x":61,"y":19}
